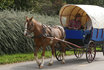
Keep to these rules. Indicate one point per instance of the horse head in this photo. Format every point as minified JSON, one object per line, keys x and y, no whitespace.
{"x":29,"y":26}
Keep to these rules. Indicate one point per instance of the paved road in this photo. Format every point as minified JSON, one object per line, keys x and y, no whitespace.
{"x":71,"y":64}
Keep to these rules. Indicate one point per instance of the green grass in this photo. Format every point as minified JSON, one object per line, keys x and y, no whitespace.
{"x":15,"y":58}
{"x":69,"y":52}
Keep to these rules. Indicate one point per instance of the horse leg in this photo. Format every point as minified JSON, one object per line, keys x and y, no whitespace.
{"x":63,"y":59}
{"x":63,"y":54}
{"x":43,"y":54}
{"x":53,"y":51}
{"x":35,"y":54}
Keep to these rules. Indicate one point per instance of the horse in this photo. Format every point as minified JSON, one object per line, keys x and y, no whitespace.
{"x":41,"y":33}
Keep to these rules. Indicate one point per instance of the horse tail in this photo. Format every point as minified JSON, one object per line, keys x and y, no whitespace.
{"x":63,"y":32}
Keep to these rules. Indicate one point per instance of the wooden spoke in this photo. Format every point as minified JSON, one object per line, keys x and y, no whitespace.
{"x":91,"y":52}
{"x":78,"y":53}
{"x":58,"y":55}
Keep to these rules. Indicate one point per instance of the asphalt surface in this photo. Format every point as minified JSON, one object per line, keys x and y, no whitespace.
{"x":72,"y":63}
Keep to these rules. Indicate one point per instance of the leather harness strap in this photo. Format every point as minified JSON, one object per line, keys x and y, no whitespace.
{"x":44,"y":33}
{"x":62,"y":31}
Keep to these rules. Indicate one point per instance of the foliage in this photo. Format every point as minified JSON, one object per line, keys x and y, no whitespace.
{"x":91,"y":2}
{"x":49,"y":7}
{"x":4,"y":4}
{"x":43,"y":6}
{"x":12,"y":39}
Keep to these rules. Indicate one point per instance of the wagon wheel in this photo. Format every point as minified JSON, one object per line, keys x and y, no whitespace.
{"x":58,"y":52}
{"x":91,"y":52}
{"x":78,"y":52}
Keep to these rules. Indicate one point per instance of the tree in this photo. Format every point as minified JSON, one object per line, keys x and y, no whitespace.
{"x":23,"y":4}
{"x":91,"y":2}
{"x":4,"y":4}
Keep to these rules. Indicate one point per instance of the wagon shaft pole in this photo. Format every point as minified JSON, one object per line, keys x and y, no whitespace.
{"x":63,"y":41}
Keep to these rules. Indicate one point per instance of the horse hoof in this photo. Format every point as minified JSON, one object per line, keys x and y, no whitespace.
{"x":39,"y":64}
{"x":63,"y":62}
{"x":40,"y":67}
{"x":50,"y":64}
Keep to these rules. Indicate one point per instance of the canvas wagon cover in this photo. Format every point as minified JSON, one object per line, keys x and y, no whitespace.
{"x":95,"y":13}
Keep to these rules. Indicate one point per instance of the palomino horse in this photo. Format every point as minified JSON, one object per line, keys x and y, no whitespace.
{"x":41,"y":32}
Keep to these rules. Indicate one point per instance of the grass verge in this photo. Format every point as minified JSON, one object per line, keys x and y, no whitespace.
{"x":15,"y":58}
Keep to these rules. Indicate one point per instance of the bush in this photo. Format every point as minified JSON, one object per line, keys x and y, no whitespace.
{"x":48,"y":7}
{"x":12,"y":39}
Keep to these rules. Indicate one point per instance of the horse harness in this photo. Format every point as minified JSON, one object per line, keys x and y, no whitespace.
{"x":46,"y":32}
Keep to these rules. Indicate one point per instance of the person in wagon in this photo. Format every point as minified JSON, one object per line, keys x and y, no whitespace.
{"x":76,"y":23}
